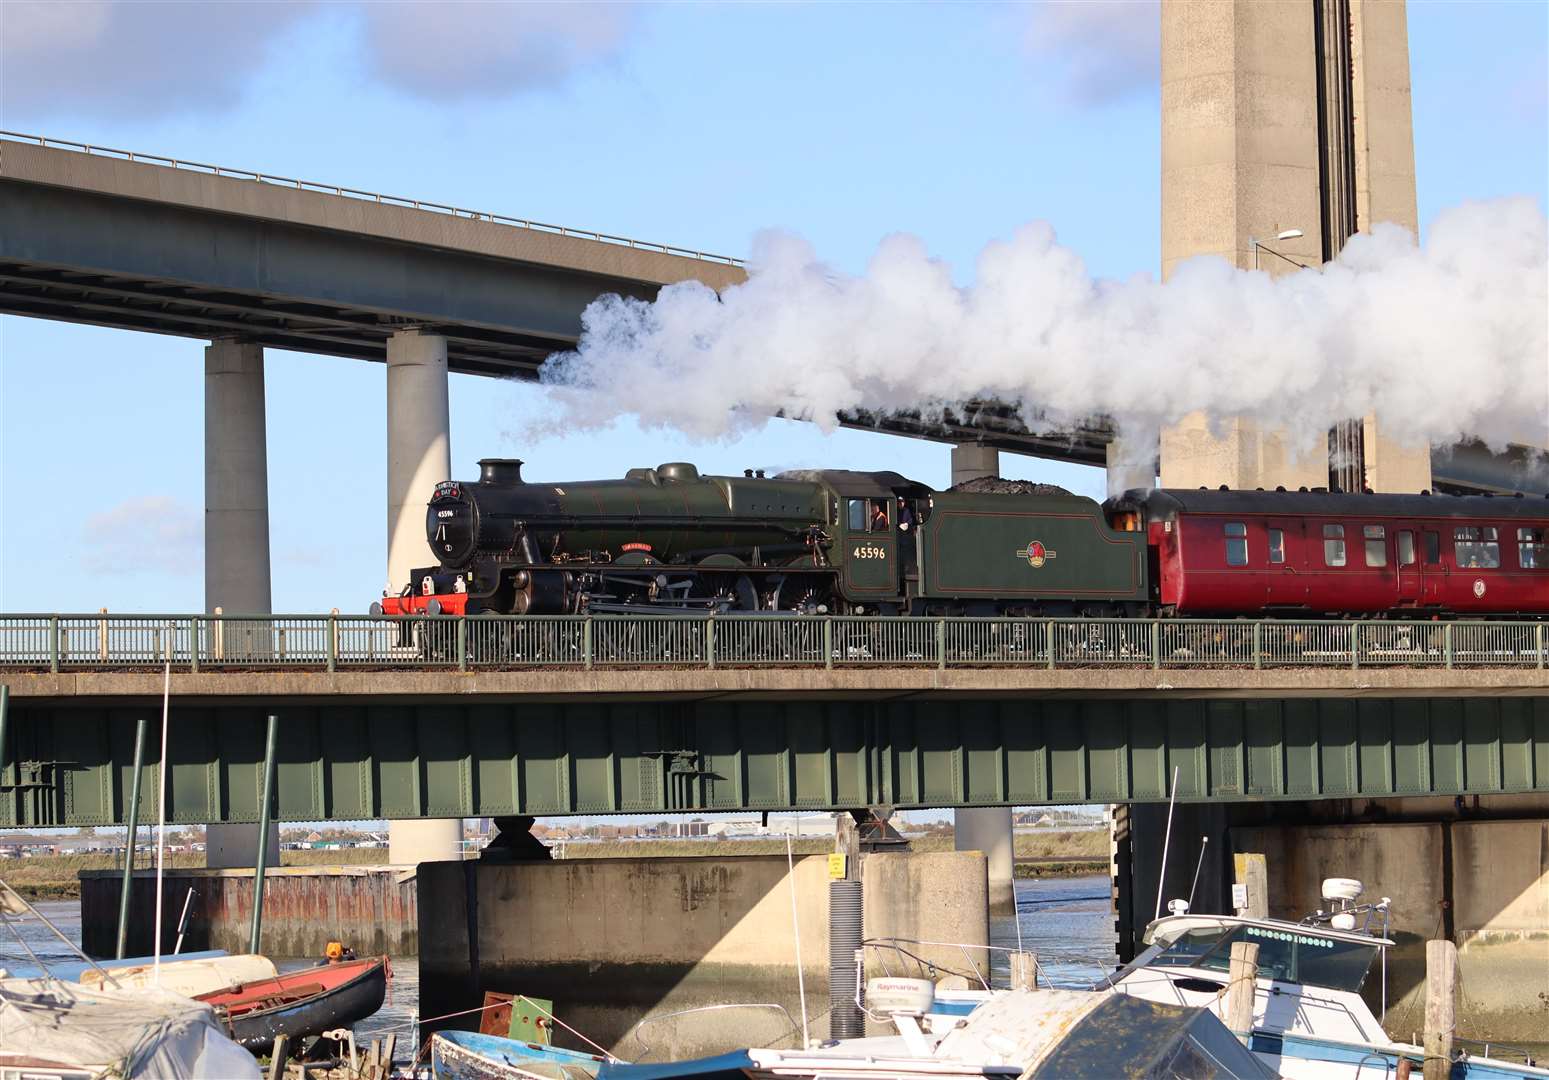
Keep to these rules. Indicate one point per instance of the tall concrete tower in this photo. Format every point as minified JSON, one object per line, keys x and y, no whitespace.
{"x":1284,"y":117}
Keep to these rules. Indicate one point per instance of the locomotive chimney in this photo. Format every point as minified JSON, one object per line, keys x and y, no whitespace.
{"x":500,"y":470}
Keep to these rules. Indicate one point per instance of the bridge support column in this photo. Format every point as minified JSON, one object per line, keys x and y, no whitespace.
{"x":419,"y":456}
{"x":236,"y":532}
{"x":419,"y":445}
{"x":236,"y":480}
{"x":971,"y":461}
{"x":1130,"y":467}
{"x":988,"y":829}
{"x":229,"y":847}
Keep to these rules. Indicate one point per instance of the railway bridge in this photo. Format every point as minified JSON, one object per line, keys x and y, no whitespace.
{"x":445,"y":717}
{"x":1413,"y":755}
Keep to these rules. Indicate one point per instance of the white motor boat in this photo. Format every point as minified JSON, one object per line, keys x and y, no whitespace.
{"x":1310,"y":1021}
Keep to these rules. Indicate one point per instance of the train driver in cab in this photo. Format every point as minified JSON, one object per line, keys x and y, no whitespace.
{"x":878,"y":515}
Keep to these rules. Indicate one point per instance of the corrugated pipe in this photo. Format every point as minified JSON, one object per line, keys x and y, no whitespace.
{"x":846,"y":917}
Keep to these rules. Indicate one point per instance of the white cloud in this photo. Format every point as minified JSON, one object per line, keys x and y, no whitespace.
{"x":462,"y":49}
{"x":146,"y":534}
{"x":1101,"y":51}
{"x":133,"y":58}
{"x":143,"y":58}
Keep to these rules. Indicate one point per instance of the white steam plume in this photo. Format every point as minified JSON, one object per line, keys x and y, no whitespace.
{"x":1440,"y":342}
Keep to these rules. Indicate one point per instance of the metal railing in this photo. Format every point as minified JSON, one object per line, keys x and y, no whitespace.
{"x":368,"y":196}
{"x":105,"y":642}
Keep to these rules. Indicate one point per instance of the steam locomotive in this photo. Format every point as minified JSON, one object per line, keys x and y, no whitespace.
{"x":671,"y":541}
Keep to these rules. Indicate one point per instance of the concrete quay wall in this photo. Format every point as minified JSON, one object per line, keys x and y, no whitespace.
{"x":613,"y":941}
{"x":371,"y":909}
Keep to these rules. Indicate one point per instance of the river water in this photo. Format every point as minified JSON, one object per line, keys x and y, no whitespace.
{"x":1065,"y":920}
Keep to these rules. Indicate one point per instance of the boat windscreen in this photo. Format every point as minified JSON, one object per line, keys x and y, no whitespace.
{"x":1286,"y":955}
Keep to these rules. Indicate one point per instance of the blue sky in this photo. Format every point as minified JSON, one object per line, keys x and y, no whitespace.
{"x":691,"y":124}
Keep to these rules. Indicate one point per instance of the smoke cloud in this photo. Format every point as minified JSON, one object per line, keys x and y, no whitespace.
{"x":1443,"y":341}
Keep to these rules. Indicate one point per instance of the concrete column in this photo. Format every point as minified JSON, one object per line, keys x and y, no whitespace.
{"x":236,"y":846}
{"x":236,"y":480}
{"x":971,"y":461}
{"x":236,"y":534}
{"x":427,"y":840}
{"x":988,"y":829}
{"x":419,"y":456}
{"x":419,"y":445}
{"x":1130,"y":467}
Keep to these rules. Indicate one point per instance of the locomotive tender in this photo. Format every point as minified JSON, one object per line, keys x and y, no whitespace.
{"x":671,"y":541}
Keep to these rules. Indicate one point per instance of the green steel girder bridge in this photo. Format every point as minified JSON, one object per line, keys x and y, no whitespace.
{"x":726,"y":715}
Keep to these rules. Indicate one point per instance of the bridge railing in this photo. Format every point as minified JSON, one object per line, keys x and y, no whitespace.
{"x":104,"y":642}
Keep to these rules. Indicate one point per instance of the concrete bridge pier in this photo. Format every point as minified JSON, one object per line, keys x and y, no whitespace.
{"x":1130,"y":466}
{"x":419,"y":456}
{"x":986,"y":829}
{"x":236,"y":530}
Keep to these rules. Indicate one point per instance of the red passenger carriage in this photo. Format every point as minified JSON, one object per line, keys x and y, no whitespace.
{"x":1268,"y":553}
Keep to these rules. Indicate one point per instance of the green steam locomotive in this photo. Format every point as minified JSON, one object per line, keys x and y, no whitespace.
{"x":669,"y":540}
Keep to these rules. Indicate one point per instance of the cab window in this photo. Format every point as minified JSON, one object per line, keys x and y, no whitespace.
{"x":1277,"y":545}
{"x":876,"y":515}
{"x":1333,"y":545}
{"x":1236,"y":543}
{"x":856,"y":515}
{"x":1476,"y":547}
{"x":1533,"y":549}
{"x":1376,"y":537}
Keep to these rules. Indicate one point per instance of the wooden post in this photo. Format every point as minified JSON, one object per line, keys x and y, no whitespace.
{"x":1024,"y":971}
{"x":389,"y":1047}
{"x":278,"y":1057}
{"x":1252,"y":872}
{"x":1441,"y":980}
{"x":1243,"y":974}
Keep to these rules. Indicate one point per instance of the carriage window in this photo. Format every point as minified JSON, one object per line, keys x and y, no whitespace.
{"x":857,"y":515}
{"x":1277,"y":545}
{"x":1236,"y":544}
{"x":1533,"y":549}
{"x":1476,"y":547}
{"x":1376,"y":545}
{"x":1406,"y":548}
{"x":1334,"y":545}
{"x":1432,"y":549}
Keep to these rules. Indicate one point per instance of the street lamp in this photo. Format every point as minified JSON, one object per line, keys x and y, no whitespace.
{"x":1288,"y":234}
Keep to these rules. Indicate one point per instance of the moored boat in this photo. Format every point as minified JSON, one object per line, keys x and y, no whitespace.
{"x":1310,"y":1020}
{"x":54,"y":1030}
{"x":301,"y":1003}
{"x":189,"y":976}
{"x":1058,"y":1034}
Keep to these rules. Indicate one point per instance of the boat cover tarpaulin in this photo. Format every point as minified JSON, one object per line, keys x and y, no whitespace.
{"x":141,"y":1034}
{"x":1075,"y":1035}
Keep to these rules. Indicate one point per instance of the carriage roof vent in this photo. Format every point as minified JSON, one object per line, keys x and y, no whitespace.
{"x":1280,"y":488}
{"x":494,"y":470}
{"x":1223,"y":487}
{"x":1303,"y":489}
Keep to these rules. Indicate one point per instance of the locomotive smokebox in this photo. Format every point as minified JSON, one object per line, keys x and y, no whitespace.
{"x":495,"y":470}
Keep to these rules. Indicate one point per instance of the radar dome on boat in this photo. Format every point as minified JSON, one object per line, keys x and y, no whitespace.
{"x":1341,"y":888}
{"x":1178,"y":907}
{"x":910,"y":997}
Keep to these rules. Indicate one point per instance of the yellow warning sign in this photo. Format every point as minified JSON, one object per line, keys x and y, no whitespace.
{"x":836,"y":867}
